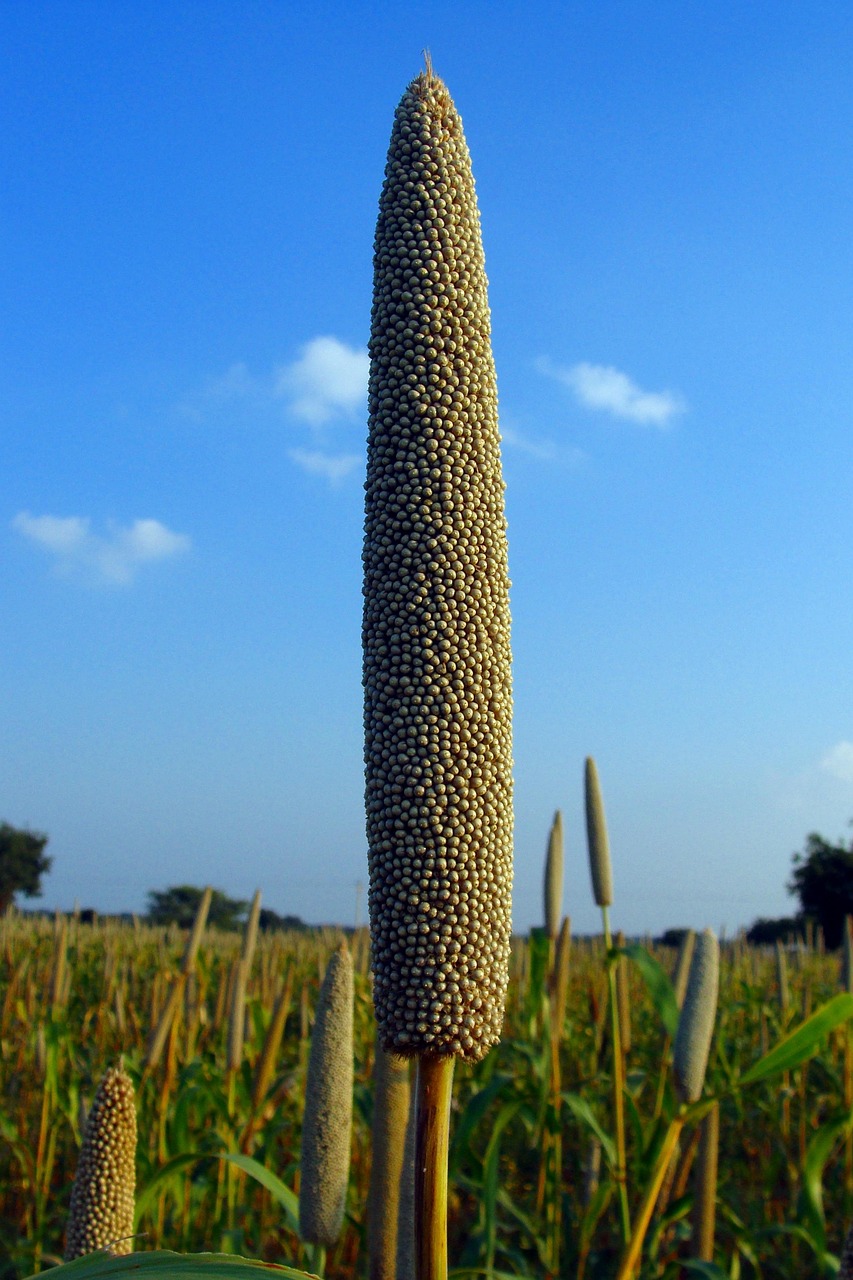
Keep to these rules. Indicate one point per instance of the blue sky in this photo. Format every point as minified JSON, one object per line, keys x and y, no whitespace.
{"x":190,"y":192}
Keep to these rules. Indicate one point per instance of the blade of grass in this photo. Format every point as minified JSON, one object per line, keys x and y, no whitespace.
{"x":162,"y":1265}
{"x":802,"y":1042}
{"x":657,"y":983}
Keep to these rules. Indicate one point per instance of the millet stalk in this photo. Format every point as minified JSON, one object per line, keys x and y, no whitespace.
{"x":690,"y":1061}
{"x":602,"y":889}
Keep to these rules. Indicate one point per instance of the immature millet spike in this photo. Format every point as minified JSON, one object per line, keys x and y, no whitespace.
{"x":554,"y":877}
{"x":437,"y":684}
{"x":682,"y":966}
{"x":327,"y":1118}
{"x":696,"y":1022}
{"x":102,"y":1197}
{"x":596,"y":834}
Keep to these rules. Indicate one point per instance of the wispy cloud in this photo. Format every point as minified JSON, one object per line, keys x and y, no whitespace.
{"x":838,"y":761}
{"x":235,"y":389}
{"x":236,"y":383}
{"x":329,"y":379}
{"x":823,"y":786}
{"x":332,"y":467}
{"x":113,"y":557}
{"x":545,"y":450}
{"x":538,"y":447}
{"x":600,"y":386}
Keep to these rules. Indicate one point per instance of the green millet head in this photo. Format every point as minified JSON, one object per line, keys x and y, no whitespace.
{"x":327,"y":1119}
{"x":554,"y":877}
{"x":437,"y":690}
{"x":596,"y":835}
{"x":682,"y":966}
{"x":696,"y":1023}
{"x":102,"y":1198}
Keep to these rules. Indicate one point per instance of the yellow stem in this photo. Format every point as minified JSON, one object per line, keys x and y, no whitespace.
{"x":432,"y":1145}
{"x":631,"y":1256}
{"x":621,"y":1170}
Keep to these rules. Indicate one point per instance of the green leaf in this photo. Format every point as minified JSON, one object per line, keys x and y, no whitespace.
{"x":490,"y":1176}
{"x":514,"y":1213}
{"x":819,"y":1150}
{"x":161,"y":1264}
{"x":803,"y":1042}
{"x":539,"y":951}
{"x":163,"y":1174}
{"x":826,"y":1261}
{"x":708,"y":1269}
{"x":585,"y":1114}
{"x":475,"y":1109}
{"x":288,"y":1199}
{"x":594,"y":1209}
{"x":696,"y":1111}
{"x":658,"y":984}
{"x":285,"y":1197}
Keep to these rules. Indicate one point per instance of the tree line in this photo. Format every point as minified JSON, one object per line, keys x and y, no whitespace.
{"x":23,"y":862}
{"x":179,"y":905}
{"x":822,"y":880}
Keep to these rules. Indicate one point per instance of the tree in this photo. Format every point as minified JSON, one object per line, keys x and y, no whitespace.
{"x":823,"y":881}
{"x":23,"y":862}
{"x":179,"y":905}
{"x":765,"y":931}
{"x":270,"y":920}
{"x":672,"y":937}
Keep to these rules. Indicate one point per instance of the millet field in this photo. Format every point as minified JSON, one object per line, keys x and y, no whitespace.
{"x":217,"y":1044}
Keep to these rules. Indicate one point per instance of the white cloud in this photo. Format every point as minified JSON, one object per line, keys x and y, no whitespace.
{"x":838,"y":761}
{"x":113,"y":557}
{"x":332,"y":467}
{"x":600,"y":386}
{"x":328,"y":379}
{"x":63,"y":534}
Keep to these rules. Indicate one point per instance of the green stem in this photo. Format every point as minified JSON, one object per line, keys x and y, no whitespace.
{"x":621,"y":1170}
{"x":662,"y":1078}
{"x":231,"y":1172}
{"x":432,"y":1145}
{"x":317,"y":1260}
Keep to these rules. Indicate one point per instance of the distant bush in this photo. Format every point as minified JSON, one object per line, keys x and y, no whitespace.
{"x":179,"y":904}
{"x":766,"y":931}
{"x":270,"y":920}
{"x":672,"y":937}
